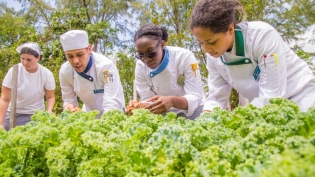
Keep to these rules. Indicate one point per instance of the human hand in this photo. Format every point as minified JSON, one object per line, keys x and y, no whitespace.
{"x":131,"y":106}
{"x":160,"y":104}
{"x":134,"y":104}
{"x":71,"y":107}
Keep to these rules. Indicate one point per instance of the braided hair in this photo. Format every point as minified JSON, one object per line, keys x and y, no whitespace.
{"x":217,"y":15}
{"x":152,"y":31}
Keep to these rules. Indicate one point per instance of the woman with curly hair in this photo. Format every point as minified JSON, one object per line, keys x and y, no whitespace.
{"x":248,"y":56}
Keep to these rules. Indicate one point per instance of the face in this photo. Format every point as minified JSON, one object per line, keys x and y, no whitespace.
{"x":215,"y":44}
{"x":30,"y":62}
{"x":79,"y":58}
{"x":150,"y":51}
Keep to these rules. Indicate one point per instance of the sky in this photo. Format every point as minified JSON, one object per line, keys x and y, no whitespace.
{"x":307,"y":47}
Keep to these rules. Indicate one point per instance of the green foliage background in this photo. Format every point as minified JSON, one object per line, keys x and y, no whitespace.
{"x":111,"y":25}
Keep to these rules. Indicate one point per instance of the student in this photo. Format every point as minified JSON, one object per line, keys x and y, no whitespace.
{"x":248,"y":56}
{"x":167,"y":76}
{"x":90,"y":76}
{"x":34,"y":82}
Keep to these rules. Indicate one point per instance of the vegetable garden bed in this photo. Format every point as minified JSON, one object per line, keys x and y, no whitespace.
{"x":277,"y":140}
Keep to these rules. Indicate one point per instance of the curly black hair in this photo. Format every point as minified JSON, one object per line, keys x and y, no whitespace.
{"x":152,"y":31}
{"x":217,"y":15}
{"x":26,"y":50}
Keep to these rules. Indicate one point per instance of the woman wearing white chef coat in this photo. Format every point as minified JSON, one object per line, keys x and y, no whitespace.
{"x":248,"y":56}
{"x":90,"y":76}
{"x":167,"y":76}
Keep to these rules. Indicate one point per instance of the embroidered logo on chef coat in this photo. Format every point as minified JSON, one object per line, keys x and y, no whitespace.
{"x":108,"y":76}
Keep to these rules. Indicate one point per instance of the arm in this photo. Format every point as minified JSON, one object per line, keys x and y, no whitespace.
{"x":69,"y":97}
{"x":193,"y":85}
{"x":113,"y":92}
{"x":193,"y":91}
{"x":4,"y":104}
{"x":143,"y":86}
{"x":49,"y":89}
{"x":50,"y":99}
{"x":273,"y":75}
{"x":219,"y":89}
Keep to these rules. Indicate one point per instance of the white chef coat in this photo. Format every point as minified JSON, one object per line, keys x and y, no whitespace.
{"x":288,"y":76}
{"x":73,"y":85}
{"x":165,"y":83}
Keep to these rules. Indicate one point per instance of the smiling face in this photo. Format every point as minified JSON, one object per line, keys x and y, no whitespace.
{"x":30,"y":62}
{"x":150,"y":51}
{"x":79,"y":58}
{"x":215,"y":44}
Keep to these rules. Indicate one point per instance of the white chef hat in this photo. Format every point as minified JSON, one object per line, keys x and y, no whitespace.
{"x":74,"y":39}
{"x":32,"y":45}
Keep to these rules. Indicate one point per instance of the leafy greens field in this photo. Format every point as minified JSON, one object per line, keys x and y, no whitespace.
{"x":276,"y":140}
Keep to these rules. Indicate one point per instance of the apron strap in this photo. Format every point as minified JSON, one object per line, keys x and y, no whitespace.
{"x":239,"y":41}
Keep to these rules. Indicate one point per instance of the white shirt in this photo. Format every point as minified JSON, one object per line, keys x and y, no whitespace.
{"x":288,"y":77}
{"x":30,"y":91}
{"x":165,"y":83}
{"x":73,"y":85}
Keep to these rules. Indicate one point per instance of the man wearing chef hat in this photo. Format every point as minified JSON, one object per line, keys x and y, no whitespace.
{"x":91,"y":76}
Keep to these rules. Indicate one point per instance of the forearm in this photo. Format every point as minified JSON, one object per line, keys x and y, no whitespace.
{"x":3,"y":109}
{"x":179,"y":102}
{"x":50,"y":104}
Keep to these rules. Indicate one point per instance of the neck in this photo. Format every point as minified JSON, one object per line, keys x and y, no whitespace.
{"x":231,"y":45}
{"x":32,"y":70}
{"x":163,"y":56}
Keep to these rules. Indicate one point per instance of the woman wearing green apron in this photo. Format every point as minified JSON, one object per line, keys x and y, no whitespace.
{"x":248,"y":56}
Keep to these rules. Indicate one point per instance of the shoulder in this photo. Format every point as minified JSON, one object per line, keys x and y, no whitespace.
{"x":45,"y":73}
{"x":141,"y":67}
{"x":255,"y":26}
{"x":44,"y":69}
{"x":179,"y":55}
{"x":65,"y":68}
{"x":178,"y":50}
{"x":101,"y":60}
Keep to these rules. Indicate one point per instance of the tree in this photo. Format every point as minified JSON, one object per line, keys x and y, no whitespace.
{"x":14,"y":32}
{"x":290,"y":17}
